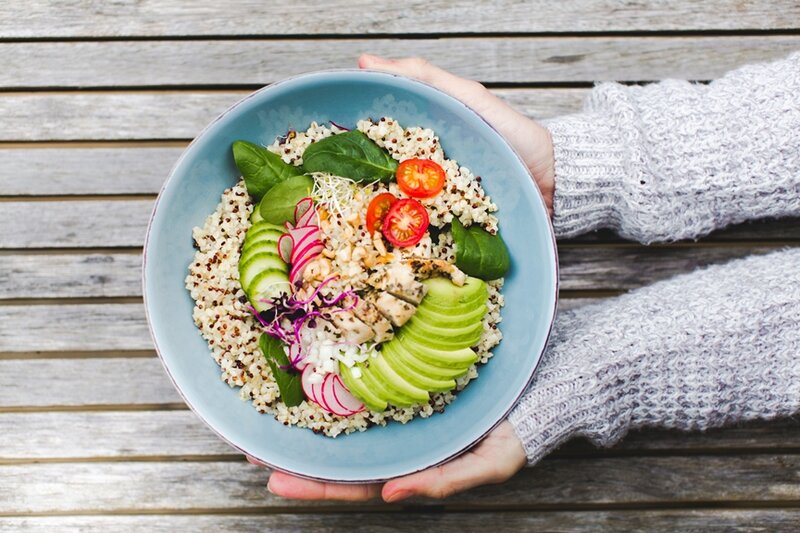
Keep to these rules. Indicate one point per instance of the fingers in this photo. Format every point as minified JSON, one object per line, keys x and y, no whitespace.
{"x":443,"y":481}
{"x":297,"y":488}
{"x":494,"y":460}
{"x":469,"y":91}
{"x":254,"y":461}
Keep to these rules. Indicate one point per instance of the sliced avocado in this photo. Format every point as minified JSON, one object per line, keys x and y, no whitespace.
{"x":359,"y":389}
{"x":391,"y":379}
{"x":444,"y":293}
{"x":396,"y":360}
{"x":452,"y":318}
{"x":257,"y":248}
{"x":451,"y":338}
{"x":250,"y":269}
{"x":377,"y":386}
{"x":422,"y":366}
{"x":460,"y":358}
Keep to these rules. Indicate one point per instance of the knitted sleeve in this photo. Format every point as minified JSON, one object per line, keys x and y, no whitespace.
{"x":717,"y":346}
{"x":677,"y":160}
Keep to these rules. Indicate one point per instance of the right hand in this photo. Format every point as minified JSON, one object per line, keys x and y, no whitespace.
{"x":531,"y":141}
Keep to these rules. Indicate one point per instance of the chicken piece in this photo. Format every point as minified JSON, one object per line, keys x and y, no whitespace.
{"x":370,"y":315}
{"x":428,"y":268}
{"x":396,"y":310}
{"x":398,"y":280}
{"x":353,"y":329}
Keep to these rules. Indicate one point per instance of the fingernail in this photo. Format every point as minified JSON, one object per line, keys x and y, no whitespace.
{"x":399,"y":495}
{"x":268,"y":486}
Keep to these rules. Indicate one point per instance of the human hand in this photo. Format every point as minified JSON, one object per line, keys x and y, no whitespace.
{"x":494,"y":460}
{"x":529,"y":139}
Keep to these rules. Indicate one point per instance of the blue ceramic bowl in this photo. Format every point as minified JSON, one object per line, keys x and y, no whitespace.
{"x":192,"y":192}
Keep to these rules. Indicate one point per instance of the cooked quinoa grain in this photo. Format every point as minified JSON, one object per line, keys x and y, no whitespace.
{"x":221,"y":311}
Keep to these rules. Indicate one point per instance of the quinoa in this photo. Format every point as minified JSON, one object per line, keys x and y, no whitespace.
{"x":221,"y":311}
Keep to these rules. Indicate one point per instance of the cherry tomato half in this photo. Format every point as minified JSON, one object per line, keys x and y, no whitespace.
{"x":377,"y":209}
{"x":420,"y":178}
{"x":405,"y":223}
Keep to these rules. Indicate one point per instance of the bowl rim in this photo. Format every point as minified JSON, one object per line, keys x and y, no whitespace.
{"x":322,"y":74}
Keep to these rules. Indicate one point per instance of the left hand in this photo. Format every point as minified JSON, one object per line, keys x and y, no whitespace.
{"x":494,"y":460}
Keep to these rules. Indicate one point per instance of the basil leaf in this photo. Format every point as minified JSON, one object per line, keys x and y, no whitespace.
{"x":278,"y":204}
{"x":351,"y":155}
{"x":479,"y":253}
{"x":289,"y":383}
{"x":260,"y":168}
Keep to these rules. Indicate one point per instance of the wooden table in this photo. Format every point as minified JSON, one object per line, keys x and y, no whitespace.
{"x":97,"y":101}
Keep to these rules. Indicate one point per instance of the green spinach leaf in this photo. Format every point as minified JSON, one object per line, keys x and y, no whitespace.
{"x":278,"y":204}
{"x":351,"y":155}
{"x":289,"y":383}
{"x":260,"y":168}
{"x":479,"y":253}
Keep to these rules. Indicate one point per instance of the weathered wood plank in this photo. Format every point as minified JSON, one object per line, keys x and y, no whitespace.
{"x":253,"y":17}
{"x":581,"y":268}
{"x":149,"y":115}
{"x":119,"y":381}
{"x":70,"y":275}
{"x":785,"y":229}
{"x":32,"y":436}
{"x":101,"y":223}
{"x":498,"y":60}
{"x":36,"y":171}
{"x":73,"y":328}
{"x":684,"y":520}
{"x":234,"y":485}
{"x":628,"y":267}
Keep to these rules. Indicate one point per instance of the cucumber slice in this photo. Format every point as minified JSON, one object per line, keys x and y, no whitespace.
{"x":270,"y":235}
{"x":268,"y":284}
{"x":255,"y":216}
{"x":257,"y":264}
{"x":265,"y":246}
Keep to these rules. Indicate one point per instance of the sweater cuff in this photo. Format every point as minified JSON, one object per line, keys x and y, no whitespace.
{"x":559,"y":404}
{"x":590,"y":165}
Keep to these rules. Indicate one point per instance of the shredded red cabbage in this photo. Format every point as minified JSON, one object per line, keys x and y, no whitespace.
{"x":287,"y":316}
{"x":340,"y":127}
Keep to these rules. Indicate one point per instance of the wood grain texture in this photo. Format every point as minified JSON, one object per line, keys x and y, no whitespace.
{"x":57,"y":224}
{"x":70,"y":171}
{"x":683,"y":520}
{"x":237,"y":485}
{"x":101,"y":115}
{"x":49,"y":328}
{"x":70,"y":275}
{"x":252,"y":17}
{"x":164,"y":434}
{"x":497,"y":60}
{"x":119,"y":381}
{"x":606,"y":268}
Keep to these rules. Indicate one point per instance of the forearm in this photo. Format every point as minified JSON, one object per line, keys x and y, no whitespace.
{"x":676,"y":160}
{"x":701,"y":350}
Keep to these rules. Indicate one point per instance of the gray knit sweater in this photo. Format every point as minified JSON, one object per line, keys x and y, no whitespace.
{"x":663,"y":162}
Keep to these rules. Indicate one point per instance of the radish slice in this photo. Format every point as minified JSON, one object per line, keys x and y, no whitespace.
{"x":302,"y":234}
{"x":301,"y":251}
{"x":345,"y":398}
{"x":308,"y":388}
{"x":329,"y":397}
{"x":301,"y":209}
{"x":285,"y":247}
{"x":299,"y":267}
